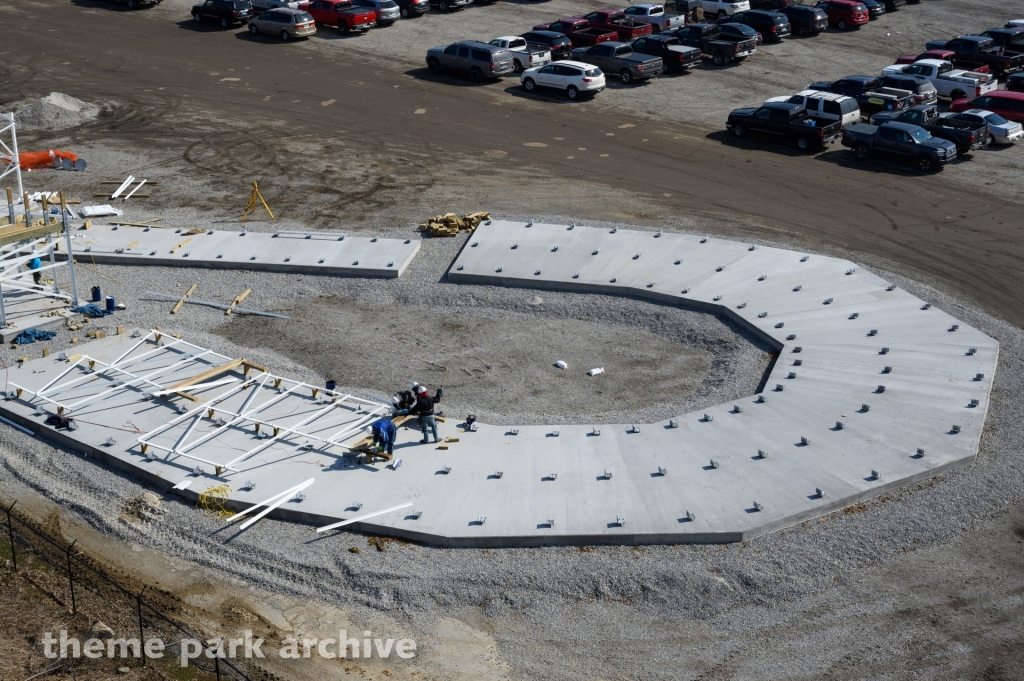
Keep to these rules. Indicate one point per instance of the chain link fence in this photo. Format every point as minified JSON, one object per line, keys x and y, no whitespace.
{"x":73,"y":581}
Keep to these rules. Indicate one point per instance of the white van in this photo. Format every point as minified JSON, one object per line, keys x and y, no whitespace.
{"x":827,"y":105}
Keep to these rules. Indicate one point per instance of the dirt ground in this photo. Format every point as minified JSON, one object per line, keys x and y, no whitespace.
{"x":353,"y":134}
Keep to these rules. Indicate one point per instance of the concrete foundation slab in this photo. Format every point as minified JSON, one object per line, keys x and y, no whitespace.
{"x":884,"y":384}
{"x":309,"y":252}
{"x":28,"y":310}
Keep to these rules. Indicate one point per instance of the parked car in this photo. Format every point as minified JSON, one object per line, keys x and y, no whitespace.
{"x":899,"y":140}
{"x":133,"y":4}
{"x":721,"y":8}
{"x":805,"y":20}
{"x":656,"y":16}
{"x":573,"y":78}
{"x":948,"y":82}
{"x":473,"y":58}
{"x":876,"y":8}
{"x":448,"y":5}
{"x":627,"y":28}
{"x":1009,"y":105}
{"x":772,"y":5}
{"x":965,"y":135}
{"x":579,"y":31}
{"x":742,"y":31}
{"x":263,"y":5}
{"x":1015,"y":23}
{"x":923,"y":90}
{"x":412,"y":8}
{"x":844,"y":14}
{"x":977,"y":50}
{"x":825,"y":105}
{"x":619,"y":58}
{"x":674,"y":55}
{"x":285,"y":22}
{"x":1010,"y":39}
{"x":1015,"y":83}
{"x":771,"y":25}
{"x":524,"y":55}
{"x":893,"y":5}
{"x":869,"y":92}
{"x":559,"y":44}
{"x":340,"y":13}
{"x":1000,"y":130}
{"x":386,"y":11}
{"x":711,"y":42}
{"x":225,"y":12}
{"x":940,"y":55}
{"x":783,"y":121}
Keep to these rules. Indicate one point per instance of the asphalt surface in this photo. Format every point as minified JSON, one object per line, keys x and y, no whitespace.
{"x":929,"y":225}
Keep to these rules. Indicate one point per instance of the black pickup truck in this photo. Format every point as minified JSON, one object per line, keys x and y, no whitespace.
{"x":711,"y":42}
{"x":784,"y":122}
{"x":619,"y":58}
{"x":901,"y":141}
{"x":966,"y":136}
{"x":1010,"y":39}
{"x":869,"y":92}
{"x":674,"y":55}
{"x":973,"y":51}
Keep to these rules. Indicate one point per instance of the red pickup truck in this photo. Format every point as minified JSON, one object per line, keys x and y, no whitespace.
{"x":941,"y":55}
{"x":579,"y":32}
{"x":616,"y":20}
{"x":341,"y":13}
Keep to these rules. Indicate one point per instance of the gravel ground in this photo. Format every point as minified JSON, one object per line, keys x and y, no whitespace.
{"x":614,"y":612}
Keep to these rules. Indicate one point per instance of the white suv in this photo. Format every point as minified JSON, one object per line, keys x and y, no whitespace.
{"x":720,"y":8}
{"x":827,"y":105}
{"x":573,"y":77}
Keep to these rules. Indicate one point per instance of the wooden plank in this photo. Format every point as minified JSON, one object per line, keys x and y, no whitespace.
{"x":209,"y":373}
{"x":181,"y":303}
{"x":238,"y":299}
{"x":181,"y":244}
{"x":19,"y":232}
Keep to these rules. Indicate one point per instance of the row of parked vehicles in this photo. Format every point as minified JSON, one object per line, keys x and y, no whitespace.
{"x":900,"y":106}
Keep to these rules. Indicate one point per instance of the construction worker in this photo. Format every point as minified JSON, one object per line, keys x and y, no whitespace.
{"x":425,"y":409}
{"x":33,"y":265}
{"x":383,"y":432}
{"x":404,"y":400}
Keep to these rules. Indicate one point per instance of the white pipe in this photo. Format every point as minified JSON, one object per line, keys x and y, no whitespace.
{"x":12,"y":424}
{"x":362,"y":517}
{"x":124,"y":185}
{"x":252,"y":508}
{"x":271,"y":507}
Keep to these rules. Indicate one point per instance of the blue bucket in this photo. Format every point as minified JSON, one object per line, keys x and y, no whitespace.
{"x":110,"y":304}
{"x":97,"y":294}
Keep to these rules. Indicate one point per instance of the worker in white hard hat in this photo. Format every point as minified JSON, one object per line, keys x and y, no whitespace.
{"x":383,"y":432}
{"x":425,"y":410}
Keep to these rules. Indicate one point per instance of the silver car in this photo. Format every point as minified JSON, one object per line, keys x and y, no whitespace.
{"x":287,"y":23}
{"x":387,"y":11}
{"x":479,"y":60}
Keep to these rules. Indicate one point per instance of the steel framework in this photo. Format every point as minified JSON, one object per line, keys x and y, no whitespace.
{"x":10,"y":153}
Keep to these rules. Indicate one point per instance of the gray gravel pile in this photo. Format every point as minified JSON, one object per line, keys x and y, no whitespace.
{"x":56,"y":111}
{"x":552,"y":610}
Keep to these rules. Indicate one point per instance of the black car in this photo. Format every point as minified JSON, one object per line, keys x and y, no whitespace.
{"x":412,"y":8}
{"x":876,"y":8}
{"x":805,"y":21}
{"x":771,"y":25}
{"x":674,"y":55}
{"x":1015,"y":82}
{"x":893,"y":5}
{"x":559,"y":44}
{"x":742,"y":30}
{"x":224,"y":12}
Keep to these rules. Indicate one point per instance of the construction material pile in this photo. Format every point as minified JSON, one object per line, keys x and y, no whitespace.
{"x":56,"y":111}
{"x":449,"y":224}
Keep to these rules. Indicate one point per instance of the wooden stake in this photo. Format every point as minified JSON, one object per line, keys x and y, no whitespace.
{"x":181,"y":303}
{"x":238,"y":299}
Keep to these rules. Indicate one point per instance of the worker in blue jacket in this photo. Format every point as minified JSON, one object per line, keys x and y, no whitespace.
{"x":384,"y":434}
{"x":33,"y":265}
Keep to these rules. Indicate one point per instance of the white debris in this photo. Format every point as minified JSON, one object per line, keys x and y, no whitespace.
{"x":96,"y":211}
{"x":595,"y":372}
{"x":561,"y":365}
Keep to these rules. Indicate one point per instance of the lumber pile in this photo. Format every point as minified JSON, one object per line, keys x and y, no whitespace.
{"x":449,"y":224}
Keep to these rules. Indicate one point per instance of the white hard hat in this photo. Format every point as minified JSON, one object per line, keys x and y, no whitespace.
{"x":394,"y":399}
{"x":413,"y":385}
{"x":367,"y":429}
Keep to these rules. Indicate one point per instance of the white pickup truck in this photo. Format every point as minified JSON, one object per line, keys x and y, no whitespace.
{"x":656,"y":16}
{"x":524,"y":55}
{"x":948,"y":81}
